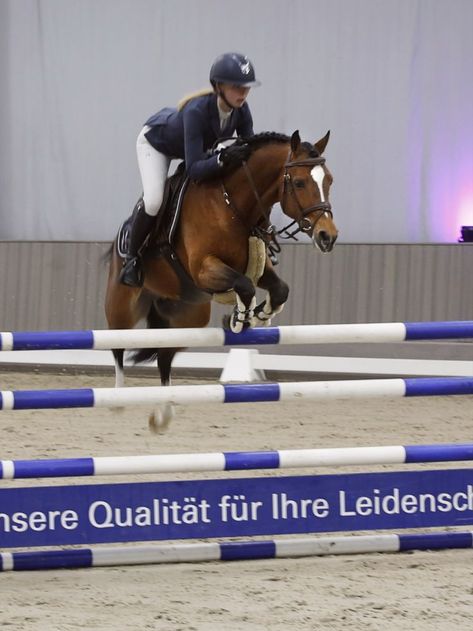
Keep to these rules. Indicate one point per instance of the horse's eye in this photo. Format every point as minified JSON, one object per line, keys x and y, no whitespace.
{"x":298,"y":183}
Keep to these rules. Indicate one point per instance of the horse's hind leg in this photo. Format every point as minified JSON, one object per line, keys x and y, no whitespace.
{"x":118,"y":354}
{"x":124,"y":307}
{"x":176,"y":315}
{"x":161,"y":416}
{"x":276,"y":297}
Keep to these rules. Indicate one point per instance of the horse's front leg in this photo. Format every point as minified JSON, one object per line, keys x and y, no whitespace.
{"x":218,"y":277}
{"x":276,"y":297}
{"x":243,"y":311}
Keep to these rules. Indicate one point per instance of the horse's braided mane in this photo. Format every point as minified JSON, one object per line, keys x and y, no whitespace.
{"x":264,"y":138}
{"x":268,"y":137}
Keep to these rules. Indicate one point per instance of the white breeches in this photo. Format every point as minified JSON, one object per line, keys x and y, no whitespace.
{"x":154,"y":168}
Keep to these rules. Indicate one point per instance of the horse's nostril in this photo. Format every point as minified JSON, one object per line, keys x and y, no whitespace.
{"x":324,"y":241}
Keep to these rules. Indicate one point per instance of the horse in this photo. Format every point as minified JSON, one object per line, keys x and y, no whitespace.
{"x":210,"y":250}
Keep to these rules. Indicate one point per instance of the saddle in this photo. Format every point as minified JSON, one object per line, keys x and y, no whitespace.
{"x":162,"y":234}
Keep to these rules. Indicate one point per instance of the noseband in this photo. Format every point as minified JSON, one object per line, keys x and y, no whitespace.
{"x":305,"y":225}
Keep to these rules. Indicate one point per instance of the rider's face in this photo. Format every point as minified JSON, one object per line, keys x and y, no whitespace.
{"x":235,"y":94}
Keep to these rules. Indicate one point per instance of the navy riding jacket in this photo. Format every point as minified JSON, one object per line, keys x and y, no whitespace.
{"x":189,"y":133}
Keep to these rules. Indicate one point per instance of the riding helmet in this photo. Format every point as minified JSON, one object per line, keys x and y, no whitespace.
{"x":233,"y":68}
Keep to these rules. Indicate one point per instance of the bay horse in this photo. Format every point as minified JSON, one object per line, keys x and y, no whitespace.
{"x":211,"y":245}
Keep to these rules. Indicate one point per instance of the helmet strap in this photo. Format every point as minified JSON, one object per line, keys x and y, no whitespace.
{"x":222,"y":96}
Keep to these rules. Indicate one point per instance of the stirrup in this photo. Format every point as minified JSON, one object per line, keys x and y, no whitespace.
{"x":131,"y":273}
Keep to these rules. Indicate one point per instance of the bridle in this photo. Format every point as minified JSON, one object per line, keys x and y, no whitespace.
{"x":304,"y":224}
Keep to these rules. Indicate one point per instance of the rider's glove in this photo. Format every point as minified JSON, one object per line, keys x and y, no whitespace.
{"x":233,"y":156}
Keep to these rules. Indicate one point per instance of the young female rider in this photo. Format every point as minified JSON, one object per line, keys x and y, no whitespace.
{"x":188,"y":132}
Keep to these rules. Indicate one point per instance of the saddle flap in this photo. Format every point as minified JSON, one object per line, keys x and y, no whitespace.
{"x":173,"y":195}
{"x":168,"y":214}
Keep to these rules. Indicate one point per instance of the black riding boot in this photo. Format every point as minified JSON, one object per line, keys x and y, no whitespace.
{"x":132,"y":273}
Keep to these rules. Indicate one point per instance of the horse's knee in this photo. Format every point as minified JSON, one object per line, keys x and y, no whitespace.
{"x":279,"y":293}
{"x":245,"y":289}
{"x":283,"y":291}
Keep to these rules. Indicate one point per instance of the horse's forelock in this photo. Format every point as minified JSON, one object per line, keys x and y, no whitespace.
{"x":312,"y":152}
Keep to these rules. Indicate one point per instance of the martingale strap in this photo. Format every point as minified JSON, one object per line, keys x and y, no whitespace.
{"x":262,"y":229}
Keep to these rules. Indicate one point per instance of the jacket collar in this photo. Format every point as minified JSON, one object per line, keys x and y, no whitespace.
{"x":215,"y":118}
{"x":228,"y":124}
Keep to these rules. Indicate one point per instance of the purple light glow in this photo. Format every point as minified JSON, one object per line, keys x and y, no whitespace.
{"x":465,"y":211}
{"x":439,"y":174}
{"x":450,"y":198}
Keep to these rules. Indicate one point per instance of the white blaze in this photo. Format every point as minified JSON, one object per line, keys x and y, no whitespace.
{"x":318,"y":175}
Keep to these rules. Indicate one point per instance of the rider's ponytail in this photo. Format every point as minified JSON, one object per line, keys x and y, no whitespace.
{"x":185,"y":100}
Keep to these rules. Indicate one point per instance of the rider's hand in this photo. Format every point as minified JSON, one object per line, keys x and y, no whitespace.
{"x":233,"y":156}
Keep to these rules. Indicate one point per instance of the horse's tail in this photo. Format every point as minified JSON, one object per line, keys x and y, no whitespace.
{"x":154,"y":320}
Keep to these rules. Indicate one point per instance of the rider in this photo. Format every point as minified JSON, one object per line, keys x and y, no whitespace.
{"x":188,"y":132}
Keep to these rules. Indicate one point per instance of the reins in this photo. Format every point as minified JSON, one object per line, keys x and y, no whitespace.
{"x":263,"y":216}
{"x":266,"y":231}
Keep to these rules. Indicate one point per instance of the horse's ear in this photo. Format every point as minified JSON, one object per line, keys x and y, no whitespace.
{"x":295,"y":141}
{"x":322,"y":143}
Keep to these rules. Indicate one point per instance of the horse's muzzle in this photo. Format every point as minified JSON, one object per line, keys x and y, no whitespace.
{"x":324,"y":241}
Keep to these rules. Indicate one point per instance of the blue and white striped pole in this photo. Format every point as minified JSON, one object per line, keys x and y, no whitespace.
{"x":233,"y":393}
{"x":214,"y":337}
{"x":233,"y":551}
{"x":234,"y":461}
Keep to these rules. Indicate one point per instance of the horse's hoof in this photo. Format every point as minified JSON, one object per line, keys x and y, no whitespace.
{"x":231,"y":322}
{"x":261,"y":322}
{"x":159,"y":420}
{"x":238,"y":326}
{"x":154,"y":424}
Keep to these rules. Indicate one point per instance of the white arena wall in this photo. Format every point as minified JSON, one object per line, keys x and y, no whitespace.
{"x":390,"y":79}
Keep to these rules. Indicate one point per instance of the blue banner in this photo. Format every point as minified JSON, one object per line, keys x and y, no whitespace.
{"x":144,"y":511}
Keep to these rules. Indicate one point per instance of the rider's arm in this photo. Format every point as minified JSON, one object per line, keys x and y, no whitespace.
{"x":199,"y":166}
